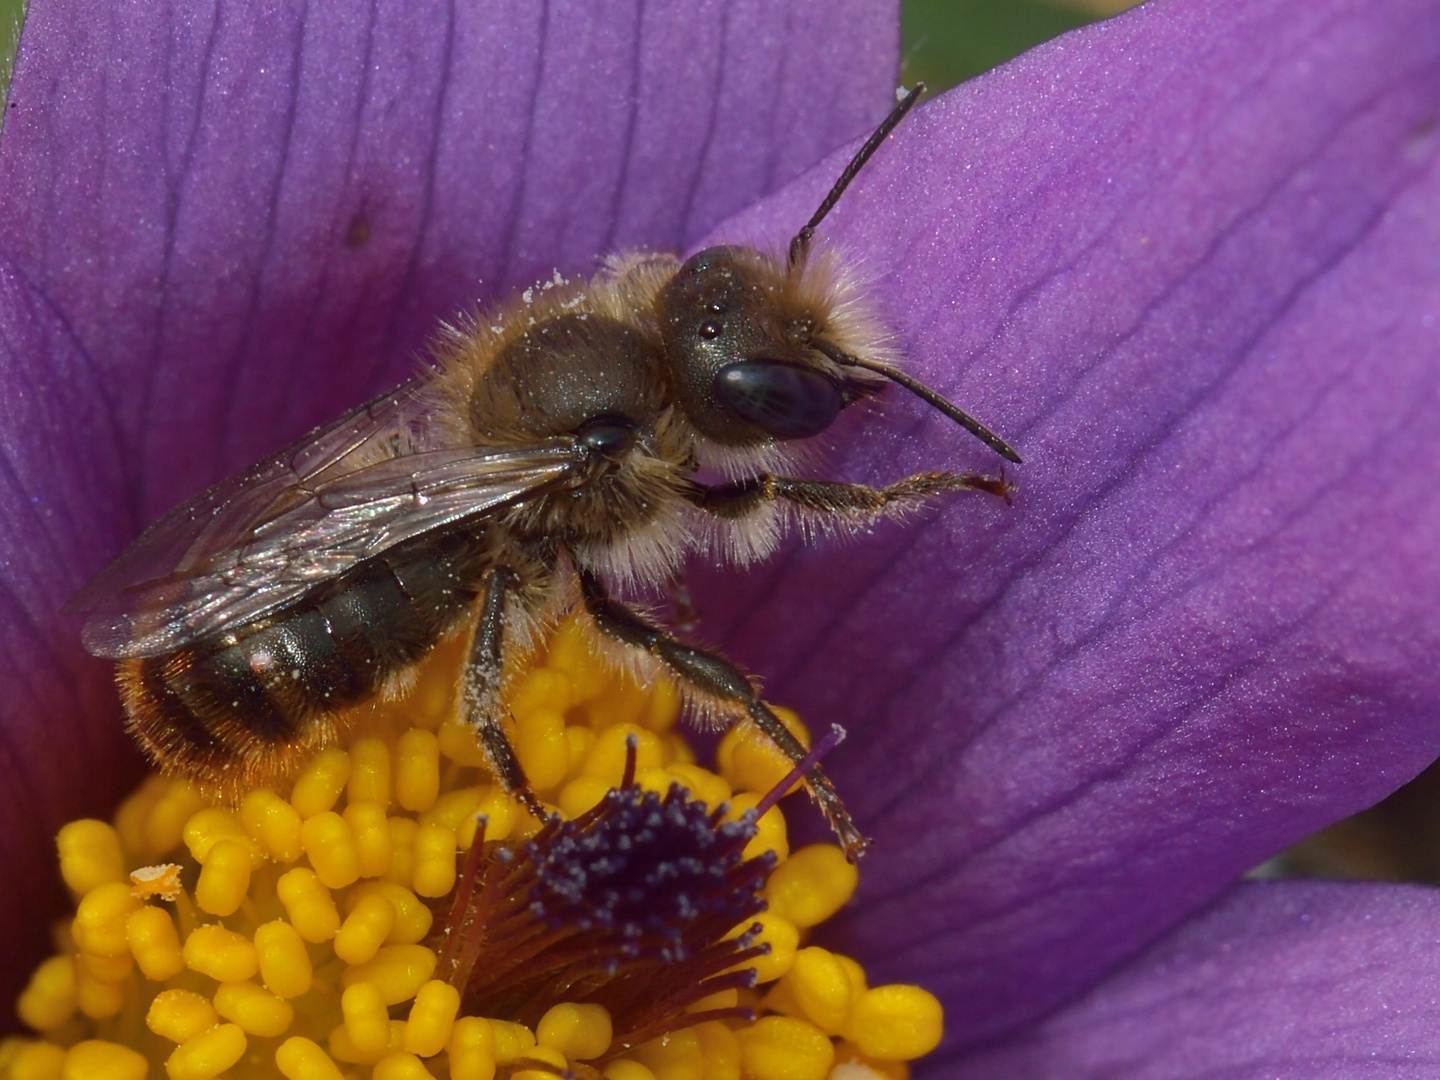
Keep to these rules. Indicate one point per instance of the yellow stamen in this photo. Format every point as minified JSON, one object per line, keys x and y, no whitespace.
{"x":349,"y":927}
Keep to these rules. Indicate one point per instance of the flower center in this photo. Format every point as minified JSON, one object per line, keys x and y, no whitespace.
{"x":631,"y":906}
{"x":393,"y":913}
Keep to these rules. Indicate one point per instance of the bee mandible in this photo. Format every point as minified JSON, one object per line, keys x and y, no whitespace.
{"x":550,"y":455}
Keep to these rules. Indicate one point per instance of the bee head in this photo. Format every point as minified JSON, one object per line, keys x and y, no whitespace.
{"x":747,"y":350}
{"x":756,"y":347}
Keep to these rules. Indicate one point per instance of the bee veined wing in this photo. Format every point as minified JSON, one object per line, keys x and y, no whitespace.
{"x":258,"y":541}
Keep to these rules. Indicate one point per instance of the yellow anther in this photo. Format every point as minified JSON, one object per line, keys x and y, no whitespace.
{"x":580,"y":1032}
{"x":255,"y":1009}
{"x":95,"y":1059}
{"x":343,"y":1048}
{"x":895,"y":1022}
{"x":308,"y":904}
{"x":677,"y":1056}
{"x":581,"y":740}
{"x":402,"y":851}
{"x":784,"y":1048}
{"x":472,"y":1049}
{"x":412,"y":917}
{"x":208,"y":1054}
{"x":555,"y":1060}
{"x":105,"y":968}
{"x":165,"y":824}
{"x":224,"y":879}
{"x":369,"y":772}
{"x":504,"y":817}
{"x":543,"y":689}
{"x":721,"y":999}
{"x":821,"y":988}
{"x":417,"y":770}
{"x":320,"y":783}
{"x":626,"y":1069}
{"x":656,"y":780}
{"x":703,"y":785}
{"x":365,"y":929}
{"x":720,"y":1050}
{"x":608,"y":756}
{"x":434,"y":849}
{"x":621,"y":701}
{"x":454,"y":807}
{"x":36,"y":1061}
{"x":179,"y":1015}
{"x":782,"y":937}
{"x":49,"y":999}
{"x":284,"y":962}
{"x":99,"y":924}
{"x":432,"y":1017}
{"x":133,"y":813}
{"x":222,"y":954}
{"x":401,"y":1066}
{"x":90,"y":854}
{"x":855,"y":972}
{"x":209,"y":826}
{"x":154,"y":943}
{"x":582,"y":794}
{"x":459,"y":743}
{"x":371,"y":830}
{"x":367,"y":1022}
{"x":851,"y":1064}
{"x":572,"y":652}
{"x":812,"y":884}
{"x":511,"y":1040}
{"x":663,"y":709}
{"x":770,"y":832}
{"x":398,"y":971}
{"x":542,"y":748}
{"x":749,"y":761}
{"x":330,"y":846}
{"x":272,"y":823}
{"x":94,"y":997}
{"x":299,"y":1058}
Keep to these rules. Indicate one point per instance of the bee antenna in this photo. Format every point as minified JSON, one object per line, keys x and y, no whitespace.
{"x":930,"y":397}
{"x":800,"y":246}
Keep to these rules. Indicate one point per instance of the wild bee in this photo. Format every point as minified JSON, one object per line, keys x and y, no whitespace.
{"x":550,"y":454}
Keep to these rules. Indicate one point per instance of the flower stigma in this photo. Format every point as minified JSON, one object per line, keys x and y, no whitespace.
{"x":395,"y":915}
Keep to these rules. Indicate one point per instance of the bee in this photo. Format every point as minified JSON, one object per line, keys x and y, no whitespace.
{"x":550,"y":454}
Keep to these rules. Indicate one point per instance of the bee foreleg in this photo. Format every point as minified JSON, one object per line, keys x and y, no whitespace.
{"x":735,"y":500}
{"x":716,"y":677}
{"x":480,"y":689}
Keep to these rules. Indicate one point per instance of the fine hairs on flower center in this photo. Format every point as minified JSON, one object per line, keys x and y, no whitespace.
{"x":392,"y":914}
{"x":631,"y":906}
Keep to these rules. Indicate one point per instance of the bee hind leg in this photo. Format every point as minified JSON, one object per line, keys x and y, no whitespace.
{"x":715,"y":676}
{"x":480,"y":689}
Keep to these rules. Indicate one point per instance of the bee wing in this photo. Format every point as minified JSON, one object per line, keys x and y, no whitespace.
{"x":258,"y":541}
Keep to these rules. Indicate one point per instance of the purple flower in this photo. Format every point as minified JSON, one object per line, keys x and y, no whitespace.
{"x":1187,"y":260}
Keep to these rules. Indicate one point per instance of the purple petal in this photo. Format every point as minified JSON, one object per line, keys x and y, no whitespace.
{"x":1326,"y":982}
{"x":60,"y":483}
{"x":1187,"y":260}
{"x":218,"y":225}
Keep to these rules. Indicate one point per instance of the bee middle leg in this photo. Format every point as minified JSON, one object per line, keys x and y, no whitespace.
{"x":717,"y":677}
{"x":480,"y":689}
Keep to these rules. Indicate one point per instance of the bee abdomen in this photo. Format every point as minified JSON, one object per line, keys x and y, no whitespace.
{"x":244,"y":707}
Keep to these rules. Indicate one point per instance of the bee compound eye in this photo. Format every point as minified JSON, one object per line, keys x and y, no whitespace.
{"x":609,"y":437}
{"x":786,"y":401}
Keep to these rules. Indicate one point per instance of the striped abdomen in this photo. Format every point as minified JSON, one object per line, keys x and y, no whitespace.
{"x":245,"y":706}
